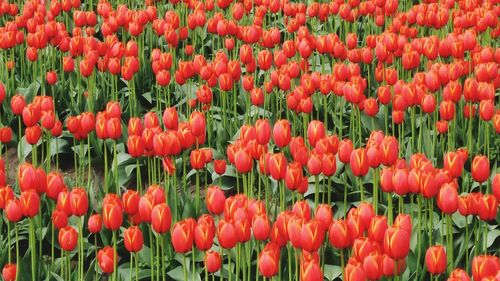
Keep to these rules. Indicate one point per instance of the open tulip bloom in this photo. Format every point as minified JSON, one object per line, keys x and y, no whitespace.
{"x":249,"y":140}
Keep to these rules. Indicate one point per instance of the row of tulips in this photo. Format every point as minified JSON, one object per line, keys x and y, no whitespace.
{"x":269,"y":139}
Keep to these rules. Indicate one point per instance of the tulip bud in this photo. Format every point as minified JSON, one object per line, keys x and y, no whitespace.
{"x":9,"y":272}
{"x":94,"y":223}
{"x":480,"y":168}
{"x":133,"y":239}
{"x":435,"y":259}
{"x":106,"y":259}
{"x":213,"y":261}
{"x":396,"y":243}
{"x":161,"y":218}
{"x":68,"y":238}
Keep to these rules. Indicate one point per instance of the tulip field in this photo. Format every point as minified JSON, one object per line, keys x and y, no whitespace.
{"x":249,"y":140}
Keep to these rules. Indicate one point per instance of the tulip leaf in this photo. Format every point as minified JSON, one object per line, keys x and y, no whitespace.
{"x":492,"y":237}
{"x":332,"y":271}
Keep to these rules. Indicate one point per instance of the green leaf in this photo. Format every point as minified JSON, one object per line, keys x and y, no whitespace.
{"x":332,"y":271}
{"x":492,"y":236}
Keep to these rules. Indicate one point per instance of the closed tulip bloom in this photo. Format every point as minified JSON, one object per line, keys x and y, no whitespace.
{"x":338,"y":235}
{"x":354,"y":273}
{"x":390,"y":150}
{"x":282,"y":133}
{"x":310,"y":271}
{"x":458,"y":275}
{"x":68,"y":238}
{"x":13,"y":210}
{"x":396,"y":243}
{"x":243,"y":161}
{"x":366,"y":214}
{"x":263,"y":131}
{"x":359,"y":162}
{"x":133,"y":239}
{"x":135,"y":146}
{"x":487,"y":207}
{"x":204,"y":234}
{"x":495,"y":186}
{"x":6,"y":194}
{"x":55,"y":184}
{"x":130,"y":201}
{"x":313,"y":235}
{"x":480,"y":168}
{"x":377,"y":228}
{"x":94,"y":223}
{"x":9,"y":272}
{"x":261,"y":227}
{"x":182,"y":237}
{"x":220,"y":166}
{"x":30,"y":203}
{"x":278,"y":166}
{"x":197,"y":123}
{"x":453,"y":163}
{"x":324,"y":215}
{"x":345,"y":150}
{"x":372,"y":266}
{"x":112,"y":215}
{"x":389,"y":266}
{"x":161,"y":218}
{"x":226,"y":234}
{"x":484,"y":265}
{"x":215,"y":200}
{"x":106,"y":259}
{"x":268,"y":261}
{"x":315,"y":132}
{"x":435,"y":259}
{"x":59,"y":219}
{"x":315,"y":164}
{"x":213,"y":261}
{"x":448,"y":199}
{"x":79,"y":202}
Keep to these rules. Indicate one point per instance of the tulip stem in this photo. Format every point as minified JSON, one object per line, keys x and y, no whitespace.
{"x":17,"y":249}
{"x":114,"y":256}
{"x":95,"y":249}
{"x":32,"y":248}
{"x":449,"y":242}
{"x":389,"y":207}
{"x":151,"y":254}
{"x":316,"y":191}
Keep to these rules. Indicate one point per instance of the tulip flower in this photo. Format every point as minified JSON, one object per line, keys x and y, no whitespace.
{"x":435,"y":259}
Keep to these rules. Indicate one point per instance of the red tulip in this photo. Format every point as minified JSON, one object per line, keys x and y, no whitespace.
{"x":268,"y":261}
{"x":487,"y":207}
{"x":68,"y":238}
{"x":243,"y":161}
{"x":133,"y":239}
{"x":278,"y":166}
{"x":312,"y":235}
{"x":372,"y":266}
{"x":315,"y":131}
{"x":204,"y":235}
{"x":213,"y":261}
{"x":30,"y":203}
{"x":261,"y":227}
{"x":345,"y":150}
{"x":197,"y":159}
{"x":435,"y":259}
{"x":396,"y":243}
{"x":324,"y":215}
{"x":130,"y":202}
{"x":448,"y":198}
{"x":112,"y":215}
{"x":33,"y":134}
{"x":17,"y":104}
{"x":282,"y":133}
{"x":453,"y":163}
{"x":79,"y":202}
{"x":315,"y":164}
{"x":220,"y":166}
{"x":458,"y":275}
{"x":182,"y":237}
{"x":197,"y":123}
{"x":390,"y":150}
{"x":226,"y":234}
{"x":13,"y":210}
{"x":263,"y":131}
{"x":59,"y":219}
{"x":359,"y":162}
{"x":161,"y":218}
{"x":480,"y":168}
{"x":94,"y":223}
{"x":106,"y":259}
{"x":310,"y":271}
{"x":9,"y":272}
{"x":339,"y":236}
{"x":215,"y":200}
{"x":354,"y":273}
{"x":495,"y":186}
